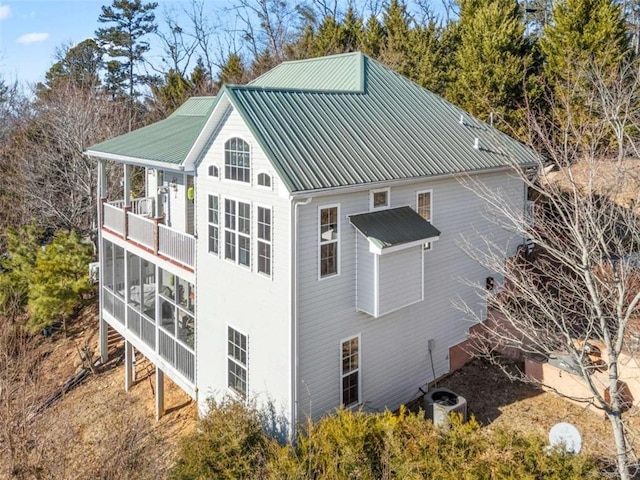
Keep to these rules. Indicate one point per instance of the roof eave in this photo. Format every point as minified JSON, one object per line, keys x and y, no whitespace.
{"x":143,"y":162}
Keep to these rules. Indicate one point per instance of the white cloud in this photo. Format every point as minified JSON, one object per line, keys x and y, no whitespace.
{"x":5,"y":12}
{"x":33,"y":38}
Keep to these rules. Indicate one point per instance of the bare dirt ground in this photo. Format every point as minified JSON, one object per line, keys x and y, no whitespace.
{"x":497,"y":402}
{"x":101,"y":425}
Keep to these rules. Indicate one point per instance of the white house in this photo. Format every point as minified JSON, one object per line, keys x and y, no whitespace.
{"x":299,"y":241}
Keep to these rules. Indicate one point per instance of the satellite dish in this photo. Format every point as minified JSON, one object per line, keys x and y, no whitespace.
{"x":565,"y":436}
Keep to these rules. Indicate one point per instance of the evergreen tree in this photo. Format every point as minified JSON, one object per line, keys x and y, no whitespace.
{"x":372,"y":39}
{"x":397,"y":47}
{"x":59,"y":281}
{"x":80,"y":65}
{"x":492,"y":61}
{"x":585,"y":49}
{"x":130,"y":21}
{"x":16,"y":266}
{"x":232,"y":72}
{"x":170,"y":93}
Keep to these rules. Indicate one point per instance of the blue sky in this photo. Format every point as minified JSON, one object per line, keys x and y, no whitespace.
{"x":30,"y":31}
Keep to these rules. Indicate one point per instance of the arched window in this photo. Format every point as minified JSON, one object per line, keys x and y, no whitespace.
{"x":213,"y":171}
{"x":264,"y":180}
{"x":237,"y":160}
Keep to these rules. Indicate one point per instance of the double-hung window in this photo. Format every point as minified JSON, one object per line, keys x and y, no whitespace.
{"x":423,"y":204}
{"x":237,"y":232}
{"x":237,"y":160}
{"x":329,"y":238}
{"x":264,"y":240}
{"x":214,"y":224}
{"x":350,"y":371}
{"x":237,"y":361}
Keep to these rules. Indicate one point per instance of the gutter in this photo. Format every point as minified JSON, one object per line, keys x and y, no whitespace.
{"x":323,"y":192}
{"x":138,"y":161}
{"x":294,"y":313}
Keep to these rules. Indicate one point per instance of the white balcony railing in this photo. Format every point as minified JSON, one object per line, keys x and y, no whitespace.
{"x":176,"y":245}
{"x":133,"y":223}
{"x":113,"y":218}
{"x":141,"y":230}
{"x":139,"y":206}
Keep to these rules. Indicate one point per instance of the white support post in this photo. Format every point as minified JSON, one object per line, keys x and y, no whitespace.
{"x":159,"y":393}
{"x":127,"y":185}
{"x":128,"y":365}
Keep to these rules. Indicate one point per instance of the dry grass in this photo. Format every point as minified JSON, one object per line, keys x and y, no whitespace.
{"x":98,"y":430}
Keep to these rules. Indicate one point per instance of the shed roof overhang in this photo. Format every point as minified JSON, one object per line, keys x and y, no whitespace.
{"x":394,"y":229}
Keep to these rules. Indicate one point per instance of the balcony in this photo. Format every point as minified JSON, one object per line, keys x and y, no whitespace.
{"x":136,"y":223}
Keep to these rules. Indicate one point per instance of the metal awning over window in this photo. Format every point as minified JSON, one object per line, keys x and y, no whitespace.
{"x":394,"y":229}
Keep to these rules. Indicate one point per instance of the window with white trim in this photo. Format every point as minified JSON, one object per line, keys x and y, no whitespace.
{"x":379,"y":199}
{"x":264,"y":180}
{"x":423,"y":207}
{"x":237,"y":160}
{"x":264,"y":240}
{"x":329,"y":237}
{"x":350,"y":371}
{"x":237,"y":361}
{"x":214,"y":224}
{"x":237,"y":232}
{"x":213,"y":171}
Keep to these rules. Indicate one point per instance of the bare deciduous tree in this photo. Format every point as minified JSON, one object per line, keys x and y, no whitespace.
{"x":55,"y":179}
{"x":580,"y":284}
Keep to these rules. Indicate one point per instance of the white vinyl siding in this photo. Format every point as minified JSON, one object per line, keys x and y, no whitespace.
{"x":263,"y":314}
{"x":397,"y":362}
{"x":399,"y":279}
{"x":365,"y":277}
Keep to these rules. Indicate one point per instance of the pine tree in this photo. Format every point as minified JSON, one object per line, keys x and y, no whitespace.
{"x":80,"y":65}
{"x":232,"y":72}
{"x":372,"y":39}
{"x":59,"y":281}
{"x":492,"y":61}
{"x":16,"y":268}
{"x":586,"y":49}
{"x":130,"y":21}
{"x":396,"y":50}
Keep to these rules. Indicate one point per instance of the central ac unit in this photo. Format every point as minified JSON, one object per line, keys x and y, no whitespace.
{"x":440,"y":402}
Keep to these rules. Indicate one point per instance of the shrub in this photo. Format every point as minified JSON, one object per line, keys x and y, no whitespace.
{"x":230,"y":443}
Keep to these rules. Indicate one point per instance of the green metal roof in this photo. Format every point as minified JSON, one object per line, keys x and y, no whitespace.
{"x":338,"y":73}
{"x":393,"y":129}
{"x":168,"y":141}
{"x":392,"y":227}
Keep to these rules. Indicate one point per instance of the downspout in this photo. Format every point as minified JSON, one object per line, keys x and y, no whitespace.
{"x":294,"y":315}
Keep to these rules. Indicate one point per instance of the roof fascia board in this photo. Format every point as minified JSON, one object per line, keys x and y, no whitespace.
{"x":403,"y":246}
{"x":137,"y":161}
{"x":323,"y":192}
{"x":206,"y":131}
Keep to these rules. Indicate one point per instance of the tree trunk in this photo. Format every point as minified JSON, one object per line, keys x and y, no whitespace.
{"x":622,"y":457}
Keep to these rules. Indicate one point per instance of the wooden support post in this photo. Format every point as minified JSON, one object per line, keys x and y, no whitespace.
{"x":159,"y":393}
{"x":104,"y":340}
{"x":128,"y":365}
